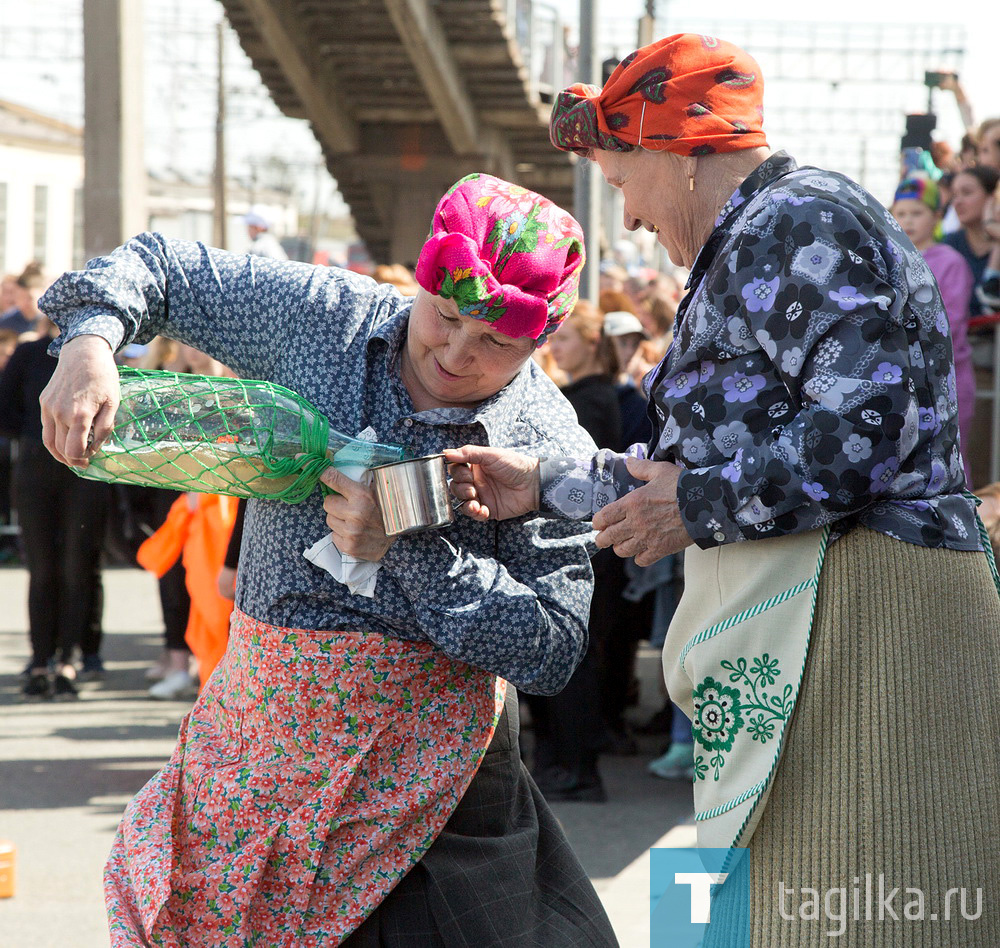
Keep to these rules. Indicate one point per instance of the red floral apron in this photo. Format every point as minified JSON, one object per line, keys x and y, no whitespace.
{"x":314,"y":771}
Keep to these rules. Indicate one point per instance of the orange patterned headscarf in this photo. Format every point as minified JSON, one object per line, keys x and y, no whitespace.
{"x":689,"y":94}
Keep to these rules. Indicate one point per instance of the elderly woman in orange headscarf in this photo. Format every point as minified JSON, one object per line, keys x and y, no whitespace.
{"x":838,"y":642}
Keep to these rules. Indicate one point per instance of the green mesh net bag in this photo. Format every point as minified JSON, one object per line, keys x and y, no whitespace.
{"x":224,"y":436}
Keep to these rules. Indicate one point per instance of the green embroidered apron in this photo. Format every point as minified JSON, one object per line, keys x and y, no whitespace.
{"x":733,"y":661}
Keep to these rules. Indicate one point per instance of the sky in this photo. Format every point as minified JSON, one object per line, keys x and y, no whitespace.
{"x":979,"y":75}
{"x":843,"y":112}
{"x":853,"y":127}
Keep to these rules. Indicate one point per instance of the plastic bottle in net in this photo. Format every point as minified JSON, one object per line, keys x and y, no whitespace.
{"x":224,"y":436}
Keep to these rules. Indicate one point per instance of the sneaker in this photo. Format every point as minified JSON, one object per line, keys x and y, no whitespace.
{"x":64,"y":689}
{"x":37,"y":688}
{"x":30,"y":667}
{"x":92,"y":668}
{"x":176,"y":685}
{"x":676,"y":764}
{"x":158,"y":671}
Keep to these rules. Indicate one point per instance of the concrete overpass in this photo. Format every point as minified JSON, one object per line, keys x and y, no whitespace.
{"x":406,"y":96}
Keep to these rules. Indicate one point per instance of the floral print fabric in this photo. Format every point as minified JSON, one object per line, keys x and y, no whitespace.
{"x":512,"y":598}
{"x":734,"y":677}
{"x":810,"y":380}
{"x":687,"y":93}
{"x":314,"y":771}
{"x":505,"y":255}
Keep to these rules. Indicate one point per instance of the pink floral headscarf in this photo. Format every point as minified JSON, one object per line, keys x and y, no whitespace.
{"x":505,"y":255}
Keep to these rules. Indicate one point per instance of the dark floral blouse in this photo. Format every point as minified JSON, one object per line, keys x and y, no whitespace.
{"x":810,"y":380}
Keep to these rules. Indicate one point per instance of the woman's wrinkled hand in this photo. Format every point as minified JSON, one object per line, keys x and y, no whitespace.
{"x":646,"y":523}
{"x":79,"y":403}
{"x":493,"y":483}
{"x":354,"y":518}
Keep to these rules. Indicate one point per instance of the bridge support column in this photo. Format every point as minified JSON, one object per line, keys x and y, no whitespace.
{"x":114,"y":177}
{"x":411,"y":222}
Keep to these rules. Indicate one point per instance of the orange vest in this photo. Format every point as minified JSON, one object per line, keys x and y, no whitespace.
{"x":201,"y":536}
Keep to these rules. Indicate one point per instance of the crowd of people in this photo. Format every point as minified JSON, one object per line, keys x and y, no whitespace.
{"x":952,"y":215}
{"x":948,"y":204}
{"x":598,"y":361}
{"x":796,"y":491}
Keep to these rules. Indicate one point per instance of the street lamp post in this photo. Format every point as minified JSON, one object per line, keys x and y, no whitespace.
{"x":646,"y":23}
{"x":219,"y":212}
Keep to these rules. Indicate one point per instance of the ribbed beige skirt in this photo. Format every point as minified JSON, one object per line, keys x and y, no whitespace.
{"x":891,"y":769}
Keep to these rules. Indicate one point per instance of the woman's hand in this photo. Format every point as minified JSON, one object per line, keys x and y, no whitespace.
{"x":639,"y":367}
{"x":494,"y":483}
{"x":646,"y":523}
{"x":991,"y":216}
{"x":81,"y":398}
{"x":353,"y":515}
{"x":226,"y":582}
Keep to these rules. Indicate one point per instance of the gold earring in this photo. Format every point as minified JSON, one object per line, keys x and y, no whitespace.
{"x":656,"y":229}
{"x":691,"y":181}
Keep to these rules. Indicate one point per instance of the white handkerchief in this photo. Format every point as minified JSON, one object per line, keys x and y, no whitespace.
{"x":358,"y":575}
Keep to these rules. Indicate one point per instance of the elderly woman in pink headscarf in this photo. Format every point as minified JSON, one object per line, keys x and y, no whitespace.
{"x":350,"y":773}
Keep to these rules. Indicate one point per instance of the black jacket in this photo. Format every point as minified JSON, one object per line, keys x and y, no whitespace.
{"x":21,"y":382}
{"x":597,"y":409}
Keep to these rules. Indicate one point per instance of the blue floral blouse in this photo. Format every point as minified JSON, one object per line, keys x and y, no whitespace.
{"x":512,"y":598}
{"x":810,"y":380}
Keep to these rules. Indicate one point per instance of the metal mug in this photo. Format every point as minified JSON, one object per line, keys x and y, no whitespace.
{"x":413,"y":495}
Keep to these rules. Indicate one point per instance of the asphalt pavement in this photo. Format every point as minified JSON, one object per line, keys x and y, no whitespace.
{"x":68,"y":769}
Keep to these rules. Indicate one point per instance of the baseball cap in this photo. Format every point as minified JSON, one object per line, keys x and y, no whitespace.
{"x":256,"y":217}
{"x":621,"y":323}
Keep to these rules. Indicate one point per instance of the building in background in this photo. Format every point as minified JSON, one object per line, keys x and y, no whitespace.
{"x":41,"y":56}
{"x":41,"y":181}
{"x":182,"y":207}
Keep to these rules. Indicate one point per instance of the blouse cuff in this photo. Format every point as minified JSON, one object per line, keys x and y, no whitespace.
{"x":565,"y":488}
{"x":105,"y":325}
{"x":703,"y":510}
